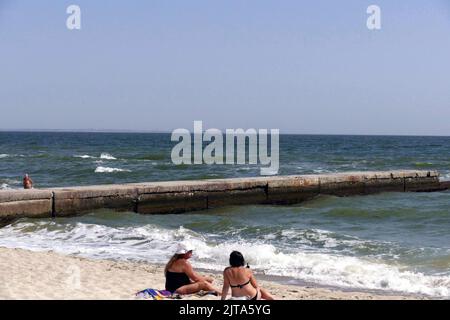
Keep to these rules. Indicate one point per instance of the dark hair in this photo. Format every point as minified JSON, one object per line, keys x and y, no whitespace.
{"x":237,"y":259}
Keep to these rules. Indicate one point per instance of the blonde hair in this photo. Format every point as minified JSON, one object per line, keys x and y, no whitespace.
{"x":172,"y":260}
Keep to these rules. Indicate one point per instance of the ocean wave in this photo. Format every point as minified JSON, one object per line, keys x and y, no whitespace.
{"x":104,"y":156}
{"x":4,"y":186}
{"x":85,"y":156}
{"x":6,"y":155}
{"x":109,"y":170}
{"x":107,"y":156}
{"x":247,"y":168}
{"x":9,"y":184}
{"x":155,"y":244}
{"x":323,"y":238}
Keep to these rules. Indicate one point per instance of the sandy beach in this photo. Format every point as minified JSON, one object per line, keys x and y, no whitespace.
{"x":47,"y":275}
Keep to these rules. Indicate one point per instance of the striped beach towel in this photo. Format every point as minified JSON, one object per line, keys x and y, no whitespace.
{"x":155,"y":294}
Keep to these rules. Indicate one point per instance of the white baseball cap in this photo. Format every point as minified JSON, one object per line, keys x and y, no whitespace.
{"x":182,"y":249}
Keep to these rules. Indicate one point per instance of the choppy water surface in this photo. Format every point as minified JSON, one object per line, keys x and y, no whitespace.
{"x":68,"y":159}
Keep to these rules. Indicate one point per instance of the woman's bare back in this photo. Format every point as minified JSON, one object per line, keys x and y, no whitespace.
{"x":241,"y":281}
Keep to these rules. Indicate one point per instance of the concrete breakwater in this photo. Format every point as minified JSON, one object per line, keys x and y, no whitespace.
{"x":183,"y":196}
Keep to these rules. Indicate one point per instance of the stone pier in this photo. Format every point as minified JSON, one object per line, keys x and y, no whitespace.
{"x":184,"y":196}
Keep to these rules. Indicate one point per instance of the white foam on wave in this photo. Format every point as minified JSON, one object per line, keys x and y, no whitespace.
{"x":104,"y":156}
{"x":311,"y":237}
{"x":445,"y":177}
{"x":9,"y":184}
{"x":110,"y":170}
{"x":107,"y":156}
{"x":6,"y":155}
{"x":155,"y":244}
{"x":146,"y":243}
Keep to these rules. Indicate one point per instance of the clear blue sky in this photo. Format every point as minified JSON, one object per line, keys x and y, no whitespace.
{"x":300,"y":66}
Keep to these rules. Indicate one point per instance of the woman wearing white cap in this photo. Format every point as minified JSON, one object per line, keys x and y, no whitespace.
{"x":181,"y":277}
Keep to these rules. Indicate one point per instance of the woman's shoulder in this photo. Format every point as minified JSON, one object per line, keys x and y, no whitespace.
{"x":249,"y":272}
{"x":180,"y":265}
{"x":245,"y":271}
{"x":183,"y":262}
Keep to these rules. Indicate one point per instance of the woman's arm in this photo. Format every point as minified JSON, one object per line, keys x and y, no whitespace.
{"x":253,"y":279}
{"x":226,"y":285}
{"x":191,"y":273}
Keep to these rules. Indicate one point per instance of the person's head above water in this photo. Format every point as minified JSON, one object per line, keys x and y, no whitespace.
{"x":27,"y":182}
{"x":237,"y":259}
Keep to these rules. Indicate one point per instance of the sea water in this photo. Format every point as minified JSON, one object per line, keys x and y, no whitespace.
{"x":393,"y":242}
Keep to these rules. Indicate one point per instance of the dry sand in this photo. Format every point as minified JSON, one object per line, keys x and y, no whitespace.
{"x":47,"y":275}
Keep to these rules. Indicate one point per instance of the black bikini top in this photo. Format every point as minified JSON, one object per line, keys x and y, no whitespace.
{"x":240,"y":286}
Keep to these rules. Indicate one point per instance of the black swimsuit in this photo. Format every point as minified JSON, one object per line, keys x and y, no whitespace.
{"x":175,"y":280}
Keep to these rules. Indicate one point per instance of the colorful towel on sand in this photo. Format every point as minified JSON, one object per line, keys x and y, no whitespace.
{"x":155,"y":294}
{"x":164,"y":294}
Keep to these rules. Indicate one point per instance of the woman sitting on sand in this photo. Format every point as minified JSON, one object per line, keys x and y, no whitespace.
{"x":181,"y":277}
{"x":241,"y":280}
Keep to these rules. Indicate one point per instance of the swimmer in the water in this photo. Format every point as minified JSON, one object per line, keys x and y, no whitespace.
{"x":27,"y":182}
